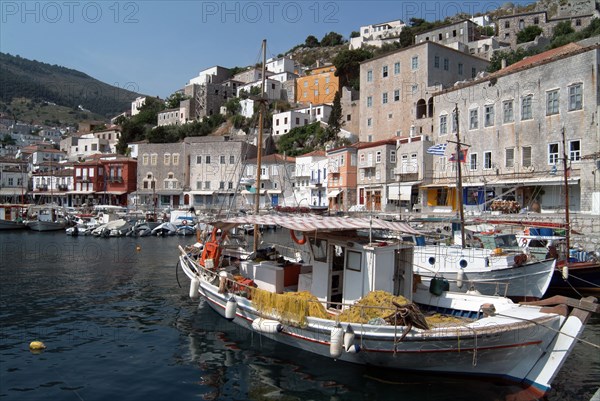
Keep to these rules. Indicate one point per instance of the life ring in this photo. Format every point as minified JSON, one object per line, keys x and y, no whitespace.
{"x":523,"y":242}
{"x":296,"y":240}
{"x":185,"y":222}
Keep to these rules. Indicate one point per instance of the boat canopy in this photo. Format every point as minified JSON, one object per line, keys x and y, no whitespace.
{"x":316,"y":223}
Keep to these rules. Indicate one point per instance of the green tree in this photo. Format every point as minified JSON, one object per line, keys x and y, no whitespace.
{"x":148,"y":113}
{"x":8,"y":140}
{"x":175,"y":99}
{"x":347,"y":65}
{"x":354,"y":34}
{"x":335,"y":122}
{"x":511,"y":57}
{"x":562,"y":29}
{"x":233,"y":106}
{"x":163,"y":134}
{"x":528,"y":34}
{"x":311,"y":41}
{"x":332,"y":39}
{"x":236,"y":70}
{"x":300,"y":140}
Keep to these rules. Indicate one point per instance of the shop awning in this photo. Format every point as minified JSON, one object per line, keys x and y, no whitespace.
{"x":334,"y":193}
{"x":80,"y":192}
{"x":200,"y":192}
{"x":558,"y":180}
{"x":112,"y":193}
{"x":401,"y":191}
{"x":12,"y":191}
{"x":274,"y":191}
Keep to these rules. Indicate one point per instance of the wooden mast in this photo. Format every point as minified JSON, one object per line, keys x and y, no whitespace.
{"x":567,"y":217}
{"x":261,"y":107}
{"x":459,"y":190}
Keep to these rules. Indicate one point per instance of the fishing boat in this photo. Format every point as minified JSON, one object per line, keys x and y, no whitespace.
{"x":48,"y":217}
{"x":358,"y":300}
{"x":490,"y":272}
{"x":11,"y":216}
{"x":497,"y":271}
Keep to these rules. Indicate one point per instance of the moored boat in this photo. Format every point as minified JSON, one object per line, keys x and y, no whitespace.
{"x":11,"y":216}
{"x":46,"y":218}
{"x":473,"y":335}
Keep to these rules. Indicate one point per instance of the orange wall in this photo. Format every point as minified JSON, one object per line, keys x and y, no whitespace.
{"x":327,"y":84}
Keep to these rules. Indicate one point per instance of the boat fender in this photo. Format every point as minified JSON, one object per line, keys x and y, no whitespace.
{"x":354,"y":349}
{"x":267,"y":326}
{"x":460,"y":276}
{"x":473,"y":291}
{"x":194,"y":285}
{"x":230,"y":309}
{"x":336,"y":341}
{"x":565,"y":272}
{"x":348,"y":338}
{"x":296,"y":240}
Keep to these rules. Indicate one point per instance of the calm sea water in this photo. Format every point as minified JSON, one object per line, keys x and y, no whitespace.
{"x":118,"y":326}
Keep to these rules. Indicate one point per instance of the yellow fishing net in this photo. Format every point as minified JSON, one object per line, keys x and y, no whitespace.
{"x":377,"y":304}
{"x":293,"y":307}
{"x":290,"y":307}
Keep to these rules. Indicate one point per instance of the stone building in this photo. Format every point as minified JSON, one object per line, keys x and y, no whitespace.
{"x":518,"y":123}
{"x":459,"y":32}
{"x":162,"y":174}
{"x":397,"y":88}
{"x":216,"y":165}
{"x":350,"y":102}
{"x":510,"y":25}
{"x":170,"y":117}
{"x":376,"y":162}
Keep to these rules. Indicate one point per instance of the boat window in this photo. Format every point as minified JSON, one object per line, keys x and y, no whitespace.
{"x":354,"y":261}
{"x":319,"y":249}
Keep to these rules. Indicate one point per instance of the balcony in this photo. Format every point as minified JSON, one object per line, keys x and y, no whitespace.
{"x":63,"y":187}
{"x":315,"y":182}
{"x":367,"y":164}
{"x":42,"y":188}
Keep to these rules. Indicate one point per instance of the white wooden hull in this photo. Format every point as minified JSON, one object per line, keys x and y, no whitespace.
{"x":485,"y":272}
{"x":37,"y":225}
{"x":512,"y":344}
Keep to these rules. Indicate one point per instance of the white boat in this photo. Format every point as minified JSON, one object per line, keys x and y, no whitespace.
{"x":479,"y":335}
{"x":164,"y":229}
{"x":46,"y":218}
{"x":490,"y":271}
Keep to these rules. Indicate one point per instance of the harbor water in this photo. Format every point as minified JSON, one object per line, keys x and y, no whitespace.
{"x":117,"y":325}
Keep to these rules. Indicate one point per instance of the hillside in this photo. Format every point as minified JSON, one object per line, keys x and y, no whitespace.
{"x":41,"y":82}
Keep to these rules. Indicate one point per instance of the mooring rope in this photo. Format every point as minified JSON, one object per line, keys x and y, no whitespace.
{"x":551,"y":329}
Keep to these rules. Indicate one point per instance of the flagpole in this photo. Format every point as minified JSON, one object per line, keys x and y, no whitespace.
{"x":459,"y":190}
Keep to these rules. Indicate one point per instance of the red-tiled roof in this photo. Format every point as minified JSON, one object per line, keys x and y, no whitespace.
{"x":274,"y":158}
{"x":314,"y":153}
{"x":539,"y":58}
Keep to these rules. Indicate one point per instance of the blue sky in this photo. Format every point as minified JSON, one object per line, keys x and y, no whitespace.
{"x":156,"y":47}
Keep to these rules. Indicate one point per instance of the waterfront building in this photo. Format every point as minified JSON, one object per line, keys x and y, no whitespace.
{"x":513,"y":122}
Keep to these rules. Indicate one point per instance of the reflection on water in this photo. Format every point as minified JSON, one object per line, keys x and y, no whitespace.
{"x":117,"y":325}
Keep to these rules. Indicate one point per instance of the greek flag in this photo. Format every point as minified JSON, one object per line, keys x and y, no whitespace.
{"x":438,"y":149}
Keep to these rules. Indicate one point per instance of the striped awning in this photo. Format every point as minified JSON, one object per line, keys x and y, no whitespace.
{"x":317,"y":223}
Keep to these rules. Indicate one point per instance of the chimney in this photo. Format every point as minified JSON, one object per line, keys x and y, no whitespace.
{"x":503,"y":63}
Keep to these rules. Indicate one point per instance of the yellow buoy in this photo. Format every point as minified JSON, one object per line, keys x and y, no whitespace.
{"x":37,"y":346}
